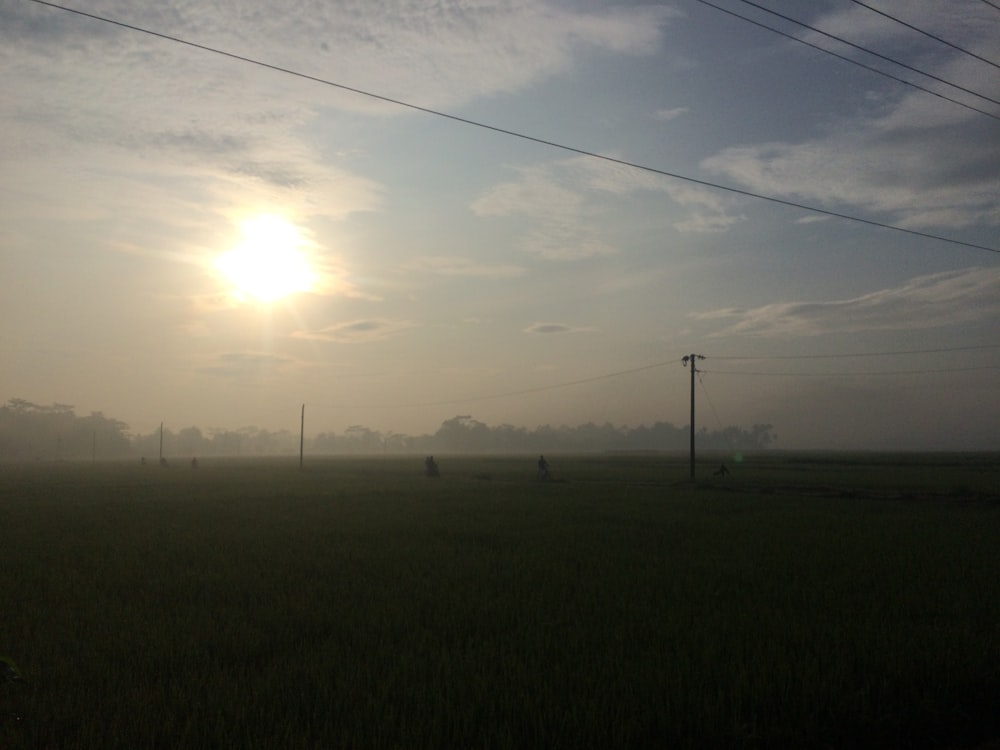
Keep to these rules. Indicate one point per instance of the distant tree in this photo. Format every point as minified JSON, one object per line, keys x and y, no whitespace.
{"x":463,"y":434}
{"x":225,"y":442}
{"x":190,"y":442}
{"x":34,"y":431}
{"x":360,"y":439}
{"x":324,"y":442}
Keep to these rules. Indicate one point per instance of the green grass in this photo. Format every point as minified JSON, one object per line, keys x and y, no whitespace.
{"x":811,"y":601}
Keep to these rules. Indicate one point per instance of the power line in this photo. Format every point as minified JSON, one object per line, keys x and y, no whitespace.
{"x":857,"y":373}
{"x":523,"y":391}
{"x":708,"y":398}
{"x":926,"y":33}
{"x":870,"y":354}
{"x":522,"y":136}
{"x":992,"y":5}
{"x":845,"y":58}
{"x":868,"y":51}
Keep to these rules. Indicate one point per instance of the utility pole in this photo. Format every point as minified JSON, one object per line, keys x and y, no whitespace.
{"x":690,"y":360}
{"x":302,"y":435}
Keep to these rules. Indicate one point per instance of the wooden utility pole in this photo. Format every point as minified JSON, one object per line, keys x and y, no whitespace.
{"x":161,"y":443}
{"x":302,"y":435}
{"x":690,"y":360}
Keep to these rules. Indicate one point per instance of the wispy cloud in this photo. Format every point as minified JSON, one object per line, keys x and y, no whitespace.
{"x":924,"y":302}
{"x":452,"y":265}
{"x":973,"y":24}
{"x":917,"y":160}
{"x":666,"y":115}
{"x":247,"y":366}
{"x":357,"y":331}
{"x":707,"y":210}
{"x":438,"y":54}
{"x":554,"y":328}
{"x":243,"y":132}
{"x":562,"y":200}
{"x":561,"y":229}
{"x":919,"y":177}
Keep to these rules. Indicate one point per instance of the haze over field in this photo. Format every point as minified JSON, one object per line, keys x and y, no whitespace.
{"x":193,"y":238}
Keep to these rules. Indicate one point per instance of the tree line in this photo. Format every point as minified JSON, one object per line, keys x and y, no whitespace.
{"x":31,"y":431}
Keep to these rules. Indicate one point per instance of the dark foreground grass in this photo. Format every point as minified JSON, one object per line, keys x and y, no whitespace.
{"x":805,"y":601}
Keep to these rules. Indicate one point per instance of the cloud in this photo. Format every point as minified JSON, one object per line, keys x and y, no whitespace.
{"x":551,"y":328}
{"x":246,"y":366}
{"x":933,"y":301}
{"x":666,"y":115}
{"x":708,"y":210}
{"x":563,"y":200}
{"x":451,"y":265}
{"x":130,"y":110}
{"x":917,"y":160}
{"x":243,"y":131}
{"x":919,"y":176}
{"x":137,"y":114}
{"x":972,"y":26}
{"x":535,"y":191}
{"x":447,"y":54}
{"x":356,"y":331}
{"x":558,"y":213}
{"x":439,"y":54}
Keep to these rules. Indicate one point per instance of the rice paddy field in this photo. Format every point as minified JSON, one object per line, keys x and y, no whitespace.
{"x":812,"y":601}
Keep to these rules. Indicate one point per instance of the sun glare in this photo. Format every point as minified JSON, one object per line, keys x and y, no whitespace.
{"x":269,"y":263}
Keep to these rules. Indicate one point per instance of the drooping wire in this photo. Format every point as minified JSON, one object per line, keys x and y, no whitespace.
{"x":523,"y":391}
{"x":855,"y":374}
{"x":711,"y":404}
{"x":845,"y":355}
{"x":845,"y":58}
{"x":522,"y":136}
{"x":925,"y":33}
{"x":870,"y":51}
{"x":708,"y":398}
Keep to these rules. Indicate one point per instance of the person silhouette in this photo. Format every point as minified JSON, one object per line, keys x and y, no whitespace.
{"x":543,"y":468}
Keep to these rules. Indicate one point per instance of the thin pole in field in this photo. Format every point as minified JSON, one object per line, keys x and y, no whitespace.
{"x":302,"y":435}
{"x":161,"y":442}
{"x":690,"y":359}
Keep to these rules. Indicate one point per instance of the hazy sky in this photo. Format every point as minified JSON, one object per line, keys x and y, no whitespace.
{"x":448,"y":269}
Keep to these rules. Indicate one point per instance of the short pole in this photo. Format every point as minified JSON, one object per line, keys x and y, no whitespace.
{"x":302,"y":435}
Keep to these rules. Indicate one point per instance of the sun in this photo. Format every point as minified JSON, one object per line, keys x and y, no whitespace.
{"x":269,"y":263}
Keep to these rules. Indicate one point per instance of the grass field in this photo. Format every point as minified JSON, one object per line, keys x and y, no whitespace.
{"x":808,"y":601}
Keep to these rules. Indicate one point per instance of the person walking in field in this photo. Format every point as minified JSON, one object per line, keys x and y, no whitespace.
{"x":543,"y":469}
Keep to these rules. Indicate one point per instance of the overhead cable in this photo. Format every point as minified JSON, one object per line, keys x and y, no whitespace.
{"x":926,"y":33}
{"x":848,"y":355}
{"x":845,"y":58}
{"x":865,"y":373}
{"x":516,"y":134}
{"x":523,"y":391}
{"x":870,"y":52}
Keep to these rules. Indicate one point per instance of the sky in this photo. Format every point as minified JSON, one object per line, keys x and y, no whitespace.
{"x":192,"y":238}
